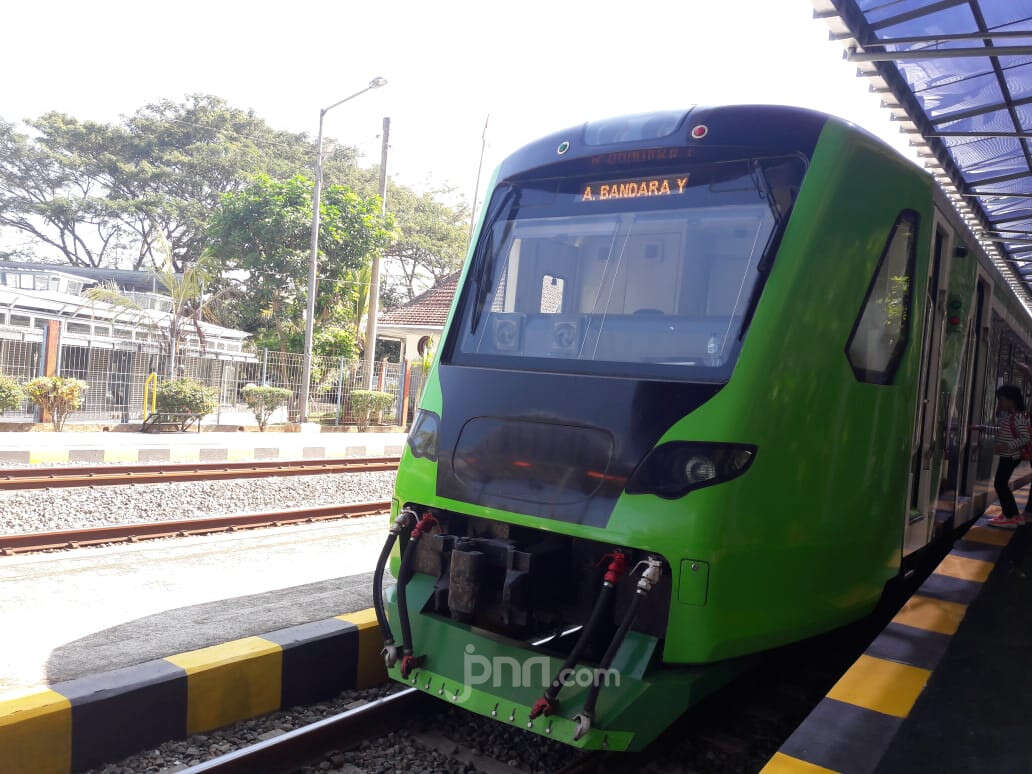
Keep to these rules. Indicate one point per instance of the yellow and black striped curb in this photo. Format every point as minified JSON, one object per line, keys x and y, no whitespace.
{"x":850,"y":729}
{"x":35,"y":456}
{"x":83,"y":723}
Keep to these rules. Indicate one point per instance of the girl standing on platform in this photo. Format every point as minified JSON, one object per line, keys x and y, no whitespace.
{"x":1012,"y":436}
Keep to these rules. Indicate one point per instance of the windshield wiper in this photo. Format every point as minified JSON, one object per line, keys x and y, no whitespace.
{"x":484,"y":258}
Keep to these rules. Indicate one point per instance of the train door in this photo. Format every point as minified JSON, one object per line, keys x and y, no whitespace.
{"x":925,"y":452}
{"x":977,"y":376}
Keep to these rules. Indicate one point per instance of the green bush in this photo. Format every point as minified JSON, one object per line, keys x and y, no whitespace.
{"x":11,"y":394}
{"x":368,"y":405}
{"x":185,"y":396}
{"x":56,"y":396}
{"x":264,"y":400}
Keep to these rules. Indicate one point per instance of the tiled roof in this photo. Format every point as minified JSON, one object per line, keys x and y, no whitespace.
{"x":430,"y":308}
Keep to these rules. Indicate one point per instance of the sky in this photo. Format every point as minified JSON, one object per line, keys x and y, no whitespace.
{"x":535,"y":67}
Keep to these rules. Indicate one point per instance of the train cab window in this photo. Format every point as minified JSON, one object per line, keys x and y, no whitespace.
{"x":648,"y":276}
{"x":879,"y":337}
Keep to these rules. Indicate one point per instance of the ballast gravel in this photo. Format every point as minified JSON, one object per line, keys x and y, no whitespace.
{"x":45,"y":510}
{"x":446,"y":741}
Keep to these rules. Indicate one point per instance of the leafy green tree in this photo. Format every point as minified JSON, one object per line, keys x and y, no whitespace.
{"x":263,"y":401}
{"x":192,"y":302}
{"x":57,"y":396}
{"x":185,"y":396}
{"x":11,"y":394}
{"x":263,"y":233}
{"x":102,"y":194}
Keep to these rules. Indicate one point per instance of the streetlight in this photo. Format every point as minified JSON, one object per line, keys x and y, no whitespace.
{"x":306,"y":376}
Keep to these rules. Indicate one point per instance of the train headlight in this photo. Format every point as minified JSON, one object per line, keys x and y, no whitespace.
{"x":676,"y":468}
{"x":422,"y":438}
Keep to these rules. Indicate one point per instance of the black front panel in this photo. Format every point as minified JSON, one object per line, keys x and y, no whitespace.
{"x":558,"y":446}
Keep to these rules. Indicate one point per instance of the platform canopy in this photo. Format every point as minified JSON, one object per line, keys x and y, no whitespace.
{"x":957,"y":75}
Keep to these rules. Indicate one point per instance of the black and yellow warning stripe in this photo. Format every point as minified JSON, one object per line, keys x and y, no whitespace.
{"x":80,"y":724}
{"x":850,"y":729}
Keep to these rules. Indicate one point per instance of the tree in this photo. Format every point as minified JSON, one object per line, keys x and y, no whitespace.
{"x":263,"y":234}
{"x":263,"y":401}
{"x":431,"y":243}
{"x":11,"y":395}
{"x":102,"y":194}
{"x":191,"y":303}
{"x":57,"y":396}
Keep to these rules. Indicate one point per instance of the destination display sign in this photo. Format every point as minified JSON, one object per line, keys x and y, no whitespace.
{"x":635,"y":188}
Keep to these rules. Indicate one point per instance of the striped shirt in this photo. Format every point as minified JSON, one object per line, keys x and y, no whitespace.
{"x":1012,"y":434}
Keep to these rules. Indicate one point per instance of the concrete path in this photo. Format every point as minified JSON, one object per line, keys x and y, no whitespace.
{"x":24,"y":448}
{"x":78,"y":612}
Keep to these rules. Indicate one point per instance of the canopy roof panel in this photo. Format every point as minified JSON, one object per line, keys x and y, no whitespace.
{"x":957,"y":75}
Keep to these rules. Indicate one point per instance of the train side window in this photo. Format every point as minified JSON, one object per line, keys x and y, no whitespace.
{"x":879,"y":337}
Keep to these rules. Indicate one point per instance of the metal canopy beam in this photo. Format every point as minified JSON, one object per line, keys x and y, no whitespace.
{"x":852,"y":55}
{"x":954,"y":36}
{"x":978,"y":111}
{"x":1022,"y":135}
{"x":1011,"y":218}
{"x":899,"y":18}
{"x":1002,"y":178}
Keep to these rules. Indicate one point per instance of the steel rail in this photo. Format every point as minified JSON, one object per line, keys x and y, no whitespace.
{"x":115,"y":475}
{"x":73,"y":538}
{"x":337,"y":732}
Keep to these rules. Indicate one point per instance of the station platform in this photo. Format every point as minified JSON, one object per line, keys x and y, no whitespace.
{"x":945,"y":686}
{"x":23,"y":448}
{"x":70,"y":614}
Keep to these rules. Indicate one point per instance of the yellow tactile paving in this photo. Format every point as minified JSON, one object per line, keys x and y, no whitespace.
{"x":184,"y":454}
{"x":880,"y":685}
{"x":996,"y":537}
{"x":36,"y":734}
{"x":370,"y":669}
{"x":934,"y":615}
{"x":964,"y":568}
{"x":786,"y":764}
{"x":230,"y":682}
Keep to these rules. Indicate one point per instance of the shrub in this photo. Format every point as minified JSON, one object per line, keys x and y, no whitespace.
{"x":11,"y":394}
{"x":264,"y":400}
{"x":56,"y":396}
{"x":185,"y":396}
{"x":367,"y":405}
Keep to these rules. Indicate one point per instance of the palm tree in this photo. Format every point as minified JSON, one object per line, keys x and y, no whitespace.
{"x":190,"y":304}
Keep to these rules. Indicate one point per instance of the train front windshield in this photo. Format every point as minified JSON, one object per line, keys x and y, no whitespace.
{"x":650,"y":276}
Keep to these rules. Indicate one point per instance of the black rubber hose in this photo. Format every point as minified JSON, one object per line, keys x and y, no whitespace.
{"x":404,"y":576}
{"x":610,"y":655}
{"x":381,"y":564}
{"x":601,"y":603}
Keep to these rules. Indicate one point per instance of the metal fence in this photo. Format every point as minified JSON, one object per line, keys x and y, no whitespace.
{"x":115,"y":377}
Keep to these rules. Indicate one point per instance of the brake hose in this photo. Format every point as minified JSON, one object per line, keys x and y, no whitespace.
{"x":404,"y":521}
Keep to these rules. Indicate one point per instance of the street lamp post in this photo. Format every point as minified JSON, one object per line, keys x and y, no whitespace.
{"x":306,"y":376}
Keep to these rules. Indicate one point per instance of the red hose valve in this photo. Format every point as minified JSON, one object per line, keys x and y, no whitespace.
{"x":425,"y":523}
{"x":542,"y":706}
{"x":408,"y":663}
{"x":617,"y":567}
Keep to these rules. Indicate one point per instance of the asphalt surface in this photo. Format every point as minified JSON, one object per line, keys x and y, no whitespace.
{"x":975,"y":715}
{"x":72,"y":613}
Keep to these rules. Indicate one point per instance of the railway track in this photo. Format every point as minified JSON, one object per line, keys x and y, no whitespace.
{"x":74,"y":538}
{"x":736,"y":730}
{"x":113,"y":475}
{"x":347,"y":730}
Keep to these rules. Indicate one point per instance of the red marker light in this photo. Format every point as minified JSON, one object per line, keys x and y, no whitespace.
{"x":700,"y":131}
{"x":954,"y":320}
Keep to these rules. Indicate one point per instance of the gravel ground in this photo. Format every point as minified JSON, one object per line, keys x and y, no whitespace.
{"x":449,"y":741}
{"x":43,"y":510}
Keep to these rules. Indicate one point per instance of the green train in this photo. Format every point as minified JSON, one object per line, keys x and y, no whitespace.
{"x":704,"y":389}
